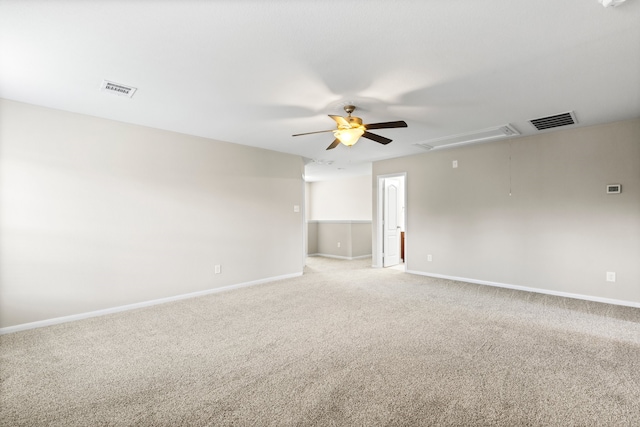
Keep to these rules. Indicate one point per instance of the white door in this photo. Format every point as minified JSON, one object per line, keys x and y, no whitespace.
{"x":391,"y":224}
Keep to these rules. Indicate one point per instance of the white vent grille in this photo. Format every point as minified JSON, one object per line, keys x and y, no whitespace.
{"x":484,"y":135}
{"x":550,"y":122}
{"x":322,"y":162}
{"x":117,"y":89}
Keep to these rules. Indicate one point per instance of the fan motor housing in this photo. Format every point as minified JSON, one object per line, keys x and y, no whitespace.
{"x":357,"y":121}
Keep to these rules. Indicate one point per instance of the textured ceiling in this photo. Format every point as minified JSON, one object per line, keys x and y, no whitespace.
{"x":255,"y":72}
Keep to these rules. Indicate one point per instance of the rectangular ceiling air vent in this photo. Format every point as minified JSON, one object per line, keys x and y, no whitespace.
{"x":117,"y":89}
{"x":563,"y":119}
{"x":484,"y":135}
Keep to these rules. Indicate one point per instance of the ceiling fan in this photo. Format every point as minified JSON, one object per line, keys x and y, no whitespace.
{"x":350,"y":129}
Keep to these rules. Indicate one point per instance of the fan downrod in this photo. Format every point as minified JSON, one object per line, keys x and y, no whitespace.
{"x":349,"y":109}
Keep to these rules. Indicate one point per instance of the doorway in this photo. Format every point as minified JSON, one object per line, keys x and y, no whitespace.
{"x":391,"y":220}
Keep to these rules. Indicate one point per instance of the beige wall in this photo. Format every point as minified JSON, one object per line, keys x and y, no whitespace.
{"x":96,"y":214}
{"x":312,"y":237}
{"x":340,"y":239}
{"x":341,"y":199}
{"x":339,"y":211}
{"x":360,"y":239}
{"x":558,"y":230}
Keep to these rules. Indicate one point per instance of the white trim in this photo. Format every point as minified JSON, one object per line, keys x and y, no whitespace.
{"x":339,"y":221}
{"x":73,"y":317}
{"x":528,"y":289}
{"x":341,"y":257}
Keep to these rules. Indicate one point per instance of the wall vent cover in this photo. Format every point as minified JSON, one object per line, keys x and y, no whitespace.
{"x":117,"y":89}
{"x":563,"y":119}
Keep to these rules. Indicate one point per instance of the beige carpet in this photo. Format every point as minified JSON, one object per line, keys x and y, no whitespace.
{"x":343,"y":345}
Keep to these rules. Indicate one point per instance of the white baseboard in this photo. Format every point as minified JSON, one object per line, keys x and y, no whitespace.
{"x":73,"y":317}
{"x":341,"y":257}
{"x":528,"y":289}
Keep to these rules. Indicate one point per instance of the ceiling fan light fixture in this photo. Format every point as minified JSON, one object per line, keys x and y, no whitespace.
{"x":348,"y":136}
{"x":351,"y":128}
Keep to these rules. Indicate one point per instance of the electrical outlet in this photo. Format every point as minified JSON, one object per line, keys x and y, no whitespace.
{"x":217,"y":269}
{"x":429,"y":258}
{"x":611,"y":276}
{"x":296,"y":208}
{"x":454,"y":164}
{"x":338,"y":244}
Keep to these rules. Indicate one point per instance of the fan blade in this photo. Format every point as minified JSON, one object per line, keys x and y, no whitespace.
{"x":387,"y":125}
{"x":376,"y":138}
{"x":334,"y":144}
{"x":310,"y":133}
{"x":341,"y":121}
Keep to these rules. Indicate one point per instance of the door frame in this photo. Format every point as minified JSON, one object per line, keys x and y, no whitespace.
{"x":380,"y":212}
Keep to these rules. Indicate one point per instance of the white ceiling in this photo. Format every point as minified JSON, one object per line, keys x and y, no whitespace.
{"x":255,"y":72}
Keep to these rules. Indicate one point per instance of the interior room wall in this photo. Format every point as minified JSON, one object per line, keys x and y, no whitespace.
{"x":339,"y":221}
{"x":341,"y":199}
{"x":97,"y":214}
{"x":307,"y":201}
{"x":530,"y":212}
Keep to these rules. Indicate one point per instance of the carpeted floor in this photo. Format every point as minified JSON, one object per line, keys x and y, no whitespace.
{"x":343,"y":345}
